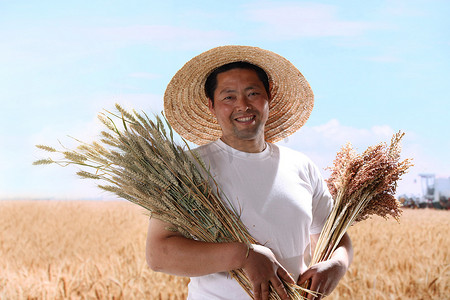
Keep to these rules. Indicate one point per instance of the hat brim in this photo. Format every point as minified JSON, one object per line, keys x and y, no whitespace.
{"x":186,"y":104}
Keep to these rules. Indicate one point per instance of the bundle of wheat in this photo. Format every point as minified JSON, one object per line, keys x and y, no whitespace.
{"x":143,"y":164}
{"x":361,"y":185}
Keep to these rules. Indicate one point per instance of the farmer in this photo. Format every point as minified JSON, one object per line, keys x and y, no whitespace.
{"x":236,"y":101}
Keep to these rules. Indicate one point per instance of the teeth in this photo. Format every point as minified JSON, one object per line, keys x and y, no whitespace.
{"x":245,"y":119}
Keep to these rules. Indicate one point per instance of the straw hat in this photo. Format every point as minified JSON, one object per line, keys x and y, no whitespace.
{"x":186,"y":104}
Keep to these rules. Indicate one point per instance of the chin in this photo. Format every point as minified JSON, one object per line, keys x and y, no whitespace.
{"x":248,"y":135}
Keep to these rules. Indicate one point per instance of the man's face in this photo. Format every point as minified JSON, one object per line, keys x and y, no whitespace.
{"x":241,"y":106}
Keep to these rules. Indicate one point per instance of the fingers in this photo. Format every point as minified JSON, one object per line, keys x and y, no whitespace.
{"x":283,"y":274}
{"x":261,"y":292}
{"x":314,"y":287}
{"x":279,"y":288}
{"x":308,"y":278}
{"x":312,"y":284}
{"x":265,"y":291}
{"x":257,"y":292}
{"x":305,"y":276}
{"x":317,"y":287}
{"x":264,"y":271}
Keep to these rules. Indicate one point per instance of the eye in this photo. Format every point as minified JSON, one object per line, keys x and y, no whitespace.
{"x":227,"y":98}
{"x":253,"y":94}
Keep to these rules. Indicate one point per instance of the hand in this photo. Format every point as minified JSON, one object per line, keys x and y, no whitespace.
{"x":324,"y":277}
{"x":263,"y":269}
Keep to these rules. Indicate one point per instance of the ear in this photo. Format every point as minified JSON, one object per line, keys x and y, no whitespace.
{"x":211,"y":107}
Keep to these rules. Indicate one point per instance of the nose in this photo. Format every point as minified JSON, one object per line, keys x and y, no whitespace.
{"x":242,"y":103}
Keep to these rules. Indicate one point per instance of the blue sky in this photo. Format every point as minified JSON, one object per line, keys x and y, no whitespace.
{"x":375,"y":68}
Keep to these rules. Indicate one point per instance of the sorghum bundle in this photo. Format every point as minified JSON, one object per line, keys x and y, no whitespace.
{"x":361,"y":185}
{"x":142,"y":164}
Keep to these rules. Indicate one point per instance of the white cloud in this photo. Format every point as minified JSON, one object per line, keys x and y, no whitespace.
{"x":20,"y":179}
{"x":88,"y":129}
{"x":293,"y":20}
{"x":322,"y":142}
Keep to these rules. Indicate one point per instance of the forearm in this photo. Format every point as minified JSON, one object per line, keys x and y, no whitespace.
{"x":344,"y":252}
{"x":174,"y":254}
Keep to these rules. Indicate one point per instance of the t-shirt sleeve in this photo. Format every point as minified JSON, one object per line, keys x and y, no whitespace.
{"x":322,"y":202}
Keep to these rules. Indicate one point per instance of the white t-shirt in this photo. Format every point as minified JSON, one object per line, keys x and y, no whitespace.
{"x":281,"y":198}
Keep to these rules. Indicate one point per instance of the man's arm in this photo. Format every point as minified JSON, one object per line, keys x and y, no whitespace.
{"x":172,"y":253}
{"x":325,"y":275}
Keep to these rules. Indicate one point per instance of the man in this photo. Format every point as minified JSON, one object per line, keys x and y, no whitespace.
{"x":254,"y":97}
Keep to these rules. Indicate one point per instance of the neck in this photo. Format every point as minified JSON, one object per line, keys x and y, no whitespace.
{"x":250,"y":146}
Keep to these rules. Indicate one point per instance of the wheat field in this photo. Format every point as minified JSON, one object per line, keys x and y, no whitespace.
{"x":95,"y":250}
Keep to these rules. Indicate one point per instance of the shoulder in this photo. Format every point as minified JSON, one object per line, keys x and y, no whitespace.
{"x":297,"y":160}
{"x":289,"y":153}
{"x":207,"y":149}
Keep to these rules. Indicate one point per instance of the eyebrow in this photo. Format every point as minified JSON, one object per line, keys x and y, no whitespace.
{"x":229,"y":90}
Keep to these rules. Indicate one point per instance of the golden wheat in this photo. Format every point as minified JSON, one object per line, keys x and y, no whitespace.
{"x":78,"y":250}
{"x":96,"y":250}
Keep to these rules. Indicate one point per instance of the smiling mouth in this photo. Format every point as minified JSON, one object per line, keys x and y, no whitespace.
{"x":245,"y":119}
